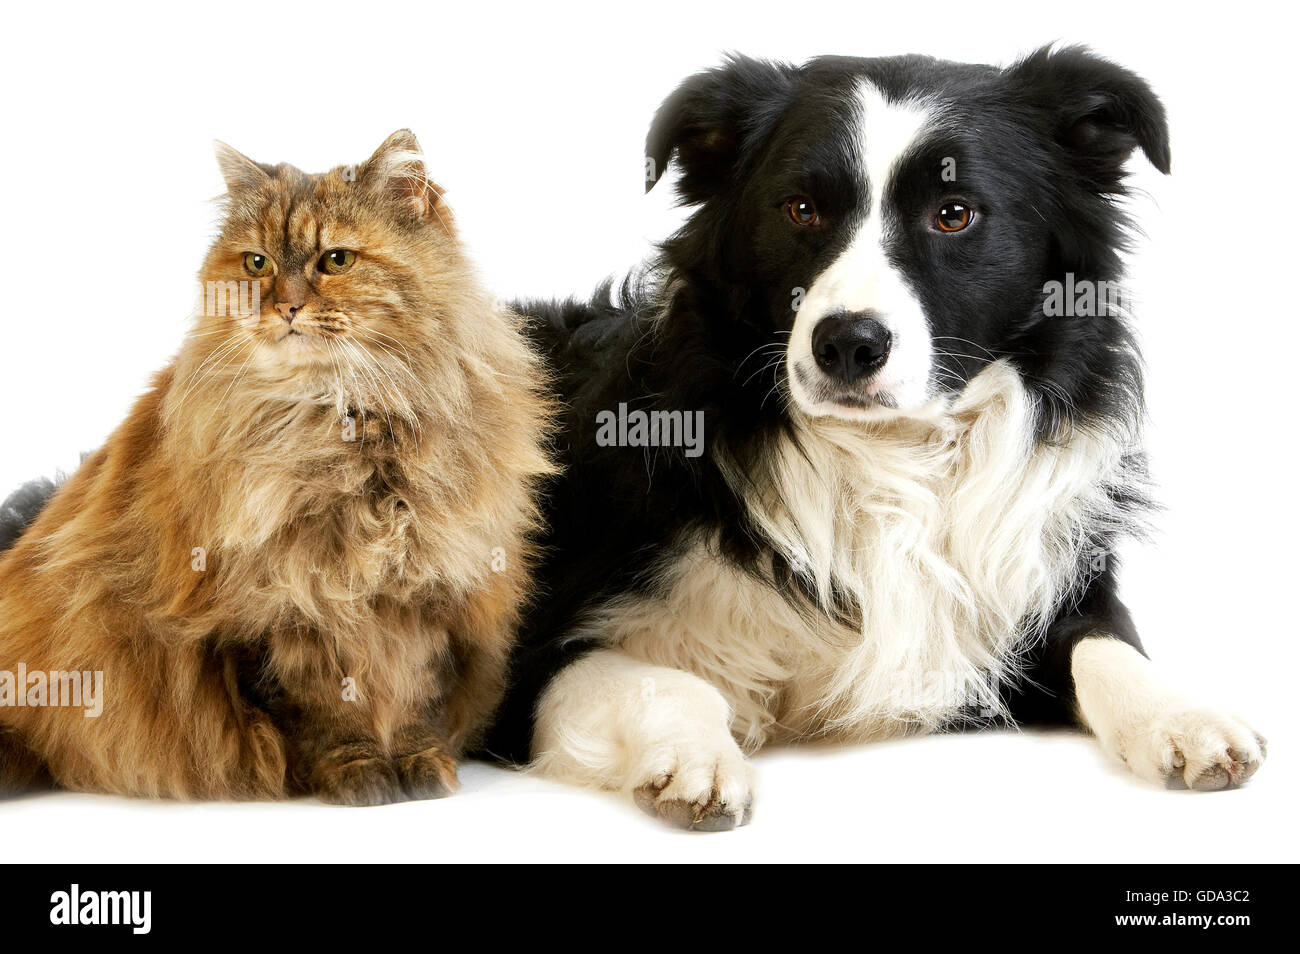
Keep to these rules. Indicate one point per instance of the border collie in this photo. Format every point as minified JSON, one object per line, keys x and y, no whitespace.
{"x":894,"y":307}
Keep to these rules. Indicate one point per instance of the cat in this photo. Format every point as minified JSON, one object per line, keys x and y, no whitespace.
{"x":299,"y":562}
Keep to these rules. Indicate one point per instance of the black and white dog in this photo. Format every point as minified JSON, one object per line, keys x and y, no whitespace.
{"x":894,"y":313}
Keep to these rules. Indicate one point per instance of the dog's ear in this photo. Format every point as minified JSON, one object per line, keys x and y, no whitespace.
{"x":1100,"y":112}
{"x":711,"y":118}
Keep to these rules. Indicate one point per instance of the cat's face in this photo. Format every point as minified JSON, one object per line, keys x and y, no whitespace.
{"x":329,"y":281}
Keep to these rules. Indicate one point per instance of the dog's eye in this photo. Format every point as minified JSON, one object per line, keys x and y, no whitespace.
{"x":337,"y":260}
{"x":802,"y":211}
{"x":953,"y":217}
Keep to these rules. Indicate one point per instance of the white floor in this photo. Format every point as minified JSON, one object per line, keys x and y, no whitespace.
{"x":1210,"y":597}
{"x":1043,"y":797}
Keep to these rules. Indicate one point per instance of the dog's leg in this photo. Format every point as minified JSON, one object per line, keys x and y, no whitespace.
{"x":1089,"y":668}
{"x":660,"y":735}
{"x":1158,"y":734}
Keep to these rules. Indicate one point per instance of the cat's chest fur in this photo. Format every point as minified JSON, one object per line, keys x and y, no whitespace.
{"x":335,"y":511}
{"x":954,"y":541}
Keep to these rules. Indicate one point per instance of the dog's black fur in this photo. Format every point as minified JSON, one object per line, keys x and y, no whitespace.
{"x":21,"y":508}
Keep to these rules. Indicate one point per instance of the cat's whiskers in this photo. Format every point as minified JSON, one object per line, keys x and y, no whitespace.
{"x":226,"y":349}
{"x":358,"y":394}
{"x":238,"y":374}
{"x":376,"y":335}
{"x":415,"y":394}
{"x":341,"y":401}
{"x":359,"y":364}
{"x":413,"y":390}
{"x":365,"y":363}
{"x":387,"y":344}
{"x":411,"y":396}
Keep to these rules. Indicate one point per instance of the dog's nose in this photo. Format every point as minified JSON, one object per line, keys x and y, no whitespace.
{"x":849,"y":346}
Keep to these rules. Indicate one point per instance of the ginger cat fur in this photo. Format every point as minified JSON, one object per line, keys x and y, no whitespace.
{"x":300,"y":560}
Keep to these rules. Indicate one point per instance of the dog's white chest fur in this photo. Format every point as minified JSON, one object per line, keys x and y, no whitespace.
{"x":955,"y":535}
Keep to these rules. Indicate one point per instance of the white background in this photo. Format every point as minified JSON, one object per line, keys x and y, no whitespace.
{"x":533,"y":117}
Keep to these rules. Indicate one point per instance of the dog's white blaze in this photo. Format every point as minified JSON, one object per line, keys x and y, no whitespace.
{"x":954,"y":533}
{"x":864,"y":278}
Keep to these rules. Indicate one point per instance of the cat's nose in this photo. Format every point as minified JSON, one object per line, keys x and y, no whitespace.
{"x":290,"y":295}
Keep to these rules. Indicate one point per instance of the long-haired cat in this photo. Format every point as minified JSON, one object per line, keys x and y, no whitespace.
{"x":298,"y":563}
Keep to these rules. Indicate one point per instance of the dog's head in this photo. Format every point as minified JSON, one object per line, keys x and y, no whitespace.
{"x":894,"y":222}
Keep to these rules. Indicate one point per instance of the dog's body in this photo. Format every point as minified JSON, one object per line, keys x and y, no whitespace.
{"x":915,"y":473}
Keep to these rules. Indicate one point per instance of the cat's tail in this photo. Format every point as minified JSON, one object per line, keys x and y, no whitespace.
{"x":21,"y":769}
{"x":21,"y":508}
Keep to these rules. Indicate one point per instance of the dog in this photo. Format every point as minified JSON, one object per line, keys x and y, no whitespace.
{"x":894,"y":314}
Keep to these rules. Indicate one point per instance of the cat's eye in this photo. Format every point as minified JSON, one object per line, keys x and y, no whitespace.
{"x":259,"y":266}
{"x":336,"y":260}
{"x":953,"y":217}
{"x":801,"y":211}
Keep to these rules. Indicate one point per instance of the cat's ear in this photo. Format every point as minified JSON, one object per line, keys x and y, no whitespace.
{"x":241,"y":173}
{"x":397,"y":170}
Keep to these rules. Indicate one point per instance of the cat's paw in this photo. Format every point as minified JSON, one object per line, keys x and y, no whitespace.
{"x":698,"y":786}
{"x":347,"y":778}
{"x":428,"y":774}
{"x":1192,"y":748}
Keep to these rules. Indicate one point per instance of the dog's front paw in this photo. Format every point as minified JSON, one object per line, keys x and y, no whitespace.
{"x":1153,"y":729}
{"x":1193,"y":748}
{"x":659,"y":735}
{"x":700,"y":787}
